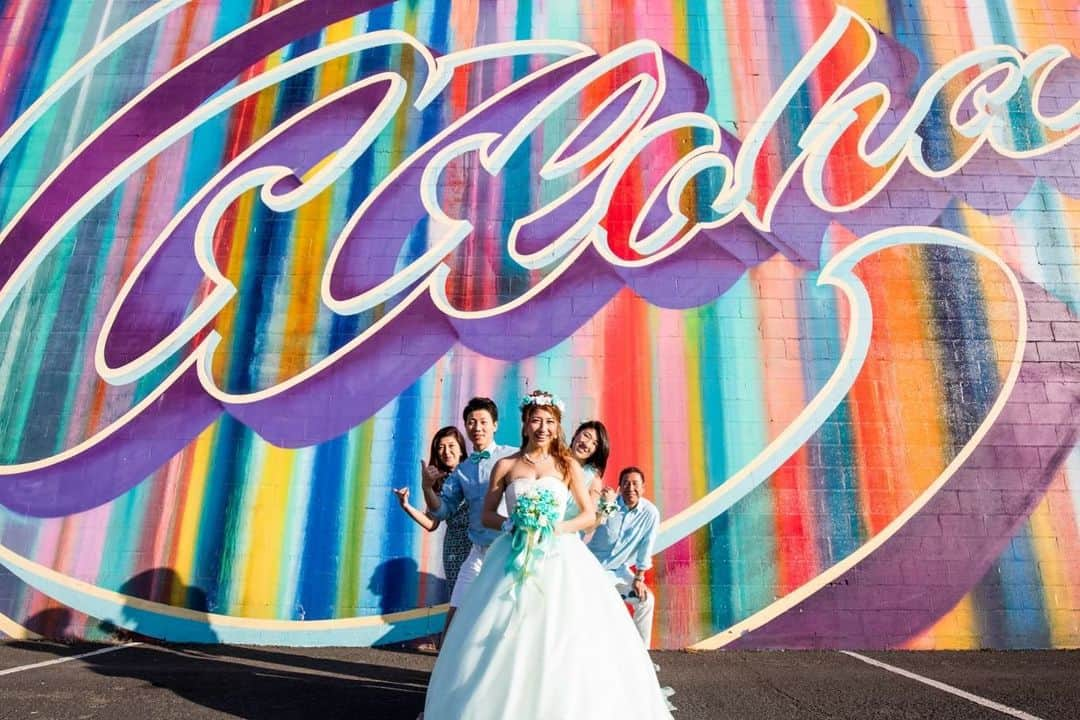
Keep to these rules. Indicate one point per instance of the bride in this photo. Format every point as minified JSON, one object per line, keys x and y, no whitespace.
{"x":542,"y":634}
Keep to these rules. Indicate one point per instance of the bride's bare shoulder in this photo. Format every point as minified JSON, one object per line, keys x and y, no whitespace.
{"x":501,"y":471}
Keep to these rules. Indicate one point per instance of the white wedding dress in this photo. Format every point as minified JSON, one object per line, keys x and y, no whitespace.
{"x":558,"y":645}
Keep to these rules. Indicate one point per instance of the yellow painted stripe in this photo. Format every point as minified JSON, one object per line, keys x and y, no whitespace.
{"x":954,"y":631}
{"x":14,"y":630}
{"x":1044,"y":541}
{"x":351,"y":584}
{"x":334,"y":74}
{"x":876,"y":12}
{"x":680,"y":31}
{"x":190,"y":513}
{"x":957,"y":629}
{"x":245,"y":208}
{"x":407,"y":68}
{"x":262,"y":575}
{"x":919,"y":402}
{"x":226,"y":319}
{"x":1070,"y":208}
{"x":695,"y":422}
{"x":266,"y":547}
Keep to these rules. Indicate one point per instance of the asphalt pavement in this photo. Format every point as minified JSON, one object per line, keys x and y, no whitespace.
{"x":191,"y":682}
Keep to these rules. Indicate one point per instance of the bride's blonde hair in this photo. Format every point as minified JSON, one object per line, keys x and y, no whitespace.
{"x":560,"y":452}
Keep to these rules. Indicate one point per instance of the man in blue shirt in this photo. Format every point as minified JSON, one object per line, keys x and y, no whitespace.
{"x":469,"y":482}
{"x":624,"y":546}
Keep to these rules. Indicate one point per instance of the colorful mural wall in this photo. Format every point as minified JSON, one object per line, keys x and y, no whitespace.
{"x":815,"y":266}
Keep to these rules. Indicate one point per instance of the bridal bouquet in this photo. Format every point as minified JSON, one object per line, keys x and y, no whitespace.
{"x":532,"y":525}
{"x":536,"y":510}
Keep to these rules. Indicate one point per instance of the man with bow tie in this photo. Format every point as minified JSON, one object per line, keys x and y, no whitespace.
{"x":469,"y":482}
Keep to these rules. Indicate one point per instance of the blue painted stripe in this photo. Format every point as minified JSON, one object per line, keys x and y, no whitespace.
{"x":1026,"y":624}
{"x":833,"y":472}
{"x":968,"y":359}
{"x":832,"y":465}
{"x":37,"y":71}
{"x":320,"y":568}
{"x":78,"y":266}
{"x":211,"y":136}
{"x":799,"y":111}
{"x":317,"y":579}
{"x":232,"y":445}
{"x":716,"y":536}
{"x":398,"y":581}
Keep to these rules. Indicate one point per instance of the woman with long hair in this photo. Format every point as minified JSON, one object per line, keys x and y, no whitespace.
{"x":590,"y":447}
{"x":446,"y":452}
{"x":542,"y":606}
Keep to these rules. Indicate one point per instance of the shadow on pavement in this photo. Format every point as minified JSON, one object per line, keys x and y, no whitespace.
{"x":243,"y":682}
{"x":254,"y":683}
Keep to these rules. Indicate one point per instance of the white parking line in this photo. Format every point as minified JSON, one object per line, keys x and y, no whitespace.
{"x":57,"y":661}
{"x":945,"y":688}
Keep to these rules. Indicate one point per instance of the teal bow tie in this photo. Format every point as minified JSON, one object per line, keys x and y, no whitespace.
{"x":478,"y":456}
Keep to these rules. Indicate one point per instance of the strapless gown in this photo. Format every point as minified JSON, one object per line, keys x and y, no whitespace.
{"x":555,"y":646}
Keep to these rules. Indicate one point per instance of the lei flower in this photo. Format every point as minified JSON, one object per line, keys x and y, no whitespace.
{"x":605,"y":509}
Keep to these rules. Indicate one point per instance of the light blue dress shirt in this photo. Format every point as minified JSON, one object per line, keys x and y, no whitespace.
{"x":627,"y":538}
{"x":469,"y":482}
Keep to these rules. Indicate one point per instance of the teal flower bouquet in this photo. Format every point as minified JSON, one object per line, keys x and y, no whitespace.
{"x":532,"y":525}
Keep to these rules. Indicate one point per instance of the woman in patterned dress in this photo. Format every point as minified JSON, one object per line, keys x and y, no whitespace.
{"x":447,"y":450}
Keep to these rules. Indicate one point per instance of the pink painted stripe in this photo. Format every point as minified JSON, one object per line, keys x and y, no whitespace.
{"x":18,"y":30}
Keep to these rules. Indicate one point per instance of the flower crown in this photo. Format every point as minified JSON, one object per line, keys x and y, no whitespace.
{"x":543,"y":399}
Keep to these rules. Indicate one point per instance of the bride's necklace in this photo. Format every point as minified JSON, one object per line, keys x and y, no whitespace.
{"x":544,"y":457}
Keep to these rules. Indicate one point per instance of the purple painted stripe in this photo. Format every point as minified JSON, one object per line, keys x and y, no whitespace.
{"x":922,"y":571}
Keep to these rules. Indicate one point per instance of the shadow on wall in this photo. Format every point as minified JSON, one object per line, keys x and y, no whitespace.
{"x":52,"y":623}
{"x":161,"y":585}
{"x":243,"y":681}
{"x":397,"y":584}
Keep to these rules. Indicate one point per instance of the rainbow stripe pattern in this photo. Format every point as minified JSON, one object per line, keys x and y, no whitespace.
{"x":235,"y":538}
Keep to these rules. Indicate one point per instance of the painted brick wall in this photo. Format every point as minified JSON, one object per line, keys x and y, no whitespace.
{"x":814,"y":267}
